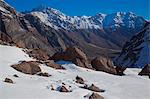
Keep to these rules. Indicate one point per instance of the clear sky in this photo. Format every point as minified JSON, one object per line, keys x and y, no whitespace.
{"x":87,"y":7}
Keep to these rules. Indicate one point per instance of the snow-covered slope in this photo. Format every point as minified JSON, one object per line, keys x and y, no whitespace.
{"x":26,"y":86}
{"x":58,"y":20}
{"x":136,"y":52}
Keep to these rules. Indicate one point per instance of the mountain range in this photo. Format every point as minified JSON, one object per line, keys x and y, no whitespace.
{"x":53,"y":31}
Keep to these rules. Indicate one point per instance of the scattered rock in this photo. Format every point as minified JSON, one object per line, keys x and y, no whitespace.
{"x":79,"y":80}
{"x":103,"y":64}
{"x":63,"y":89}
{"x":15,"y":75}
{"x":73,"y":54}
{"x":30,"y":67}
{"x":38,"y":54}
{"x":8,"y":80}
{"x":93,"y":88}
{"x":145,"y":71}
{"x":52,"y":64}
{"x":43,"y":74}
{"x":120,"y":70}
{"x":52,"y":87}
{"x":96,"y":96}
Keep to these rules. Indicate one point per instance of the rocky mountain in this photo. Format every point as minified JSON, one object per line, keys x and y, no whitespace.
{"x":136,"y":52}
{"x":53,"y":31}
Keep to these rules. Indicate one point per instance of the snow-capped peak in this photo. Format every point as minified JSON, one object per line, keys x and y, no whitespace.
{"x":59,"y":20}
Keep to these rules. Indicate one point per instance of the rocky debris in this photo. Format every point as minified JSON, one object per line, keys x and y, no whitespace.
{"x":15,"y":75}
{"x":96,"y":96}
{"x":79,"y":80}
{"x":120,"y":70}
{"x":103,"y":64}
{"x":8,"y":80}
{"x":44,"y":74}
{"x":63,"y":89}
{"x":93,"y":88}
{"x":73,"y":54}
{"x":52,"y":64}
{"x":38,"y":54}
{"x":29,"y":67}
{"x":145,"y":71}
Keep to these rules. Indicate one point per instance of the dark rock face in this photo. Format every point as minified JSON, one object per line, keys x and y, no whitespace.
{"x":96,"y":96}
{"x":145,"y":71}
{"x":52,"y":64}
{"x":63,"y":89}
{"x":8,"y":80}
{"x":30,"y":67}
{"x":103,"y":64}
{"x":38,"y":54}
{"x":79,"y":80}
{"x":135,"y":52}
{"x":74,"y":55}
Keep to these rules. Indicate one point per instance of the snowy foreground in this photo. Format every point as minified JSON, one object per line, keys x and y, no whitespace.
{"x":26,"y":86}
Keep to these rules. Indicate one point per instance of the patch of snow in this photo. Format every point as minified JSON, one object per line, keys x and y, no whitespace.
{"x":26,"y":86}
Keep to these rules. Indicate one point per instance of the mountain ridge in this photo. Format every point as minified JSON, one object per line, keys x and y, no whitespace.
{"x":27,"y":30}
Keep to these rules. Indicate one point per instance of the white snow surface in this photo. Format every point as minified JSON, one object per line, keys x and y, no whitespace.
{"x":26,"y":86}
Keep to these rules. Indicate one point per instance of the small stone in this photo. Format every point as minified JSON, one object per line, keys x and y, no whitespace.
{"x":79,"y":80}
{"x":8,"y":80}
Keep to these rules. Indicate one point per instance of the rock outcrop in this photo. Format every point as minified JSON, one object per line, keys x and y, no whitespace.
{"x":103,"y":64}
{"x":73,"y":54}
{"x":136,"y":53}
{"x":38,"y":54}
{"x":145,"y":71}
{"x":30,"y":67}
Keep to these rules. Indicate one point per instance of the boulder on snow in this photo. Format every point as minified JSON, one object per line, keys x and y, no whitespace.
{"x":73,"y":54}
{"x":145,"y":71}
{"x":79,"y":80}
{"x":103,"y":64}
{"x":63,"y":89}
{"x":52,"y":64}
{"x":8,"y":80}
{"x":15,"y":75}
{"x":30,"y":67}
{"x":38,"y":54}
{"x":93,"y":88}
{"x":96,"y":96}
{"x":120,"y":70}
{"x":44,"y":74}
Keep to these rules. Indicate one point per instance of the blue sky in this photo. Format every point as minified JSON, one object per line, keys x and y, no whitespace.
{"x":87,"y":7}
